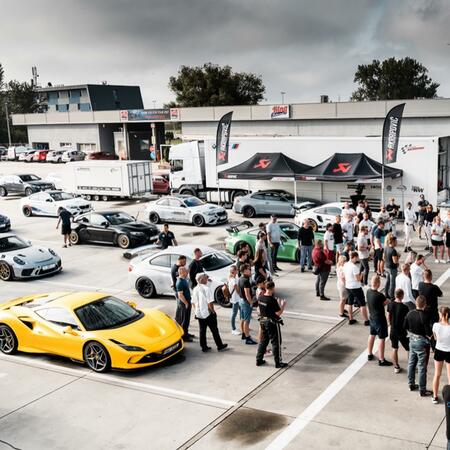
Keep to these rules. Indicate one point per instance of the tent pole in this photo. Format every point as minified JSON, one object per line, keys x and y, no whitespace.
{"x":218,"y":186}
{"x":295,"y":190}
{"x":382,"y":185}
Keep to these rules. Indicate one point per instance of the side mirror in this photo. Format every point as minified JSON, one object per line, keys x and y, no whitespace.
{"x":49,"y":200}
{"x":131,"y":303}
{"x":105,"y":224}
{"x":70,"y":330}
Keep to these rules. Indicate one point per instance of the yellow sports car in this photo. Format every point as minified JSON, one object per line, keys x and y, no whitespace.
{"x":101,"y":330}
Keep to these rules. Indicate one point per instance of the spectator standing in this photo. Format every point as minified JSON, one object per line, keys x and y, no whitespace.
{"x":274,"y":235}
{"x":183,"y":313}
{"x":432,"y":293}
{"x":363,"y":253}
{"x":347,"y":250}
{"x":203,"y":302}
{"x":416,"y":271}
{"x":390,"y":265}
{"x":447,"y":234}
{"x":341,"y":285}
{"x":338,"y":236}
{"x":353,"y":277}
{"x":166,"y":238}
{"x":328,"y":239}
{"x":378,"y":324}
{"x":65,"y":219}
{"x":378,"y":234}
{"x":233,"y":288}
{"x":403,"y":282}
{"x":419,"y":331}
{"x":422,"y":204}
{"x":437,"y":239}
{"x":397,"y":312}
{"x":321,"y":269}
{"x":360,"y":209}
{"x":384,"y":216}
{"x":270,"y":309}
{"x":441,"y":333}
{"x":410,"y":218}
{"x":260,"y":264}
{"x":392,"y":209}
{"x":305,"y":244}
{"x":246,"y":303}
{"x":366,"y":222}
{"x":428,"y":222}
{"x":262,"y":230}
{"x":195,"y":267}
{"x":242,"y":259}
{"x":180,"y":262}
{"x":348,"y":211}
{"x":347,"y":230}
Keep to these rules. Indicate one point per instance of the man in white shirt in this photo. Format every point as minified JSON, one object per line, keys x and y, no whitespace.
{"x":274,"y":237}
{"x":353,"y":278}
{"x":410,"y":218}
{"x":348,"y":211}
{"x":403,"y":282}
{"x":347,"y":229}
{"x":363,"y":252}
{"x":416,"y":271}
{"x":203,"y":302}
{"x":366,"y":222}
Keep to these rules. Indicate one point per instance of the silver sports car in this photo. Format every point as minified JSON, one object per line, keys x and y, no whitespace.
{"x":20,"y":259}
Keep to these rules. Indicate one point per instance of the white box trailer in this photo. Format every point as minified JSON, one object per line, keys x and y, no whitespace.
{"x":102,"y":180}
{"x":424,"y":161}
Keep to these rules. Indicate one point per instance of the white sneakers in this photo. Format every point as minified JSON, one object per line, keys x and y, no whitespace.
{"x":236,"y":332}
{"x":436,"y":261}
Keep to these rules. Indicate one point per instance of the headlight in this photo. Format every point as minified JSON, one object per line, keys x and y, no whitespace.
{"x":137,"y":233}
{"x":128,"y":348}
{"x":52,"y":252}
{"x":19,"y":261}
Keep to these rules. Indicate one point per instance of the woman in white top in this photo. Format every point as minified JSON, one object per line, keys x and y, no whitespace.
{"x":437,"y":239}
{"x":232,"y":284}
{"x":341,"y":285}
{"x":441,"y":332}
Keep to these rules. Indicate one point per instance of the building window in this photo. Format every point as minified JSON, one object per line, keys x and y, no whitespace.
{"x":62,"y":108}
{"x":75,"y":95}
{"x":52,"y":98}
{"x":84,"y":107}
{"x":87,"y":148}
{"x":65,"y":144}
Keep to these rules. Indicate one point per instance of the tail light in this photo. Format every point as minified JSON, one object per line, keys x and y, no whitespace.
{"x":130,"y":268}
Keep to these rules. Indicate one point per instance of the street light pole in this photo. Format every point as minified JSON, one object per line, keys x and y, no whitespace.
{"x":7,"y":123}
{"x":282,"y":97}
{"x":154,"y":104}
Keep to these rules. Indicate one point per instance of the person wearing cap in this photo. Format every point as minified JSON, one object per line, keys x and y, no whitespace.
{"x":203,"y":302}
{"x":274,"y":236}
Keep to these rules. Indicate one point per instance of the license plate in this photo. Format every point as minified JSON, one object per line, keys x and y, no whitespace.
{"x":170,"y":349}
{"x":50,"y":266}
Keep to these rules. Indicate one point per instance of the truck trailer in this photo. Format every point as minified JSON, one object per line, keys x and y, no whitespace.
{"x":424,"y":161}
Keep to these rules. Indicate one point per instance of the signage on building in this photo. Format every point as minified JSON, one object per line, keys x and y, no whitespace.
{"x":123,"y":115}
{"x":174,"y":114}
{"x":280,"y":112}
{"x":145,"y":114}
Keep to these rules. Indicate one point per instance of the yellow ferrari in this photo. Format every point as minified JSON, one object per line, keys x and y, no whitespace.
{"x":100,"y":330}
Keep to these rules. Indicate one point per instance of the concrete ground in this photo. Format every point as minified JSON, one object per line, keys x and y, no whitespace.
{"x":328,"y":397}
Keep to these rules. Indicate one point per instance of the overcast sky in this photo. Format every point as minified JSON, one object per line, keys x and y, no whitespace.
{"x":305,"y":48}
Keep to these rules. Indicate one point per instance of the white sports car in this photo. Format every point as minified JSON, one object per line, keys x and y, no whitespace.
{"x":185,"y":209}
{"x":20,"y":259}
{"x":319,"y":216}
{"x":151,"y":275}
{"x":47,"y":204}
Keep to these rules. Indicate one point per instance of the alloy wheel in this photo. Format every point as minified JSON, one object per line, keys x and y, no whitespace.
{"x":123,"y":240}
{"x":8,"y":341}
{"x":145,"y":288}
{"x":96,"y":357}
{"x":5,"y":271}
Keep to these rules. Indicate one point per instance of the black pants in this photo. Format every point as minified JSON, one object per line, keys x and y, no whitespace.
{"x":366,"y":270}
{"x":276,"y":246}
{"x":321,"y":281}
{"x":183,"y":316}
{"x":270,"y":332}
{"x":211,"y":323}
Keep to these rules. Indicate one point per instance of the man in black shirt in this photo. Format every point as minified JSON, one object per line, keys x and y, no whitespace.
{"x":338,"y":237}
{"x":378,"y":325}
{"x":181,"y":262}
{"x":270,"y":309}
{"x":431,"y":292}
{"x":397,"y":311}
{"x":246,"y":303}
{"x":422,"y":204}
{"x":195,"y":267}
{"x":65,"y":218}
{"x":418,"y":326}
{"x":305,"y":244}
{"x":393,"y":210}
{"x":166,"y":238}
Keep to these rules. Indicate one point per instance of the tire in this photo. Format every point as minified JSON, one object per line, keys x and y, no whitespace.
{"x":237,"y":194}
{"x":96,"y":198}
{"x":220,"y":299}
{"x":198,"y":220}
{"x":28,"y":191}
{"x":249,"y":212}
{"x":6,"y":271}
{"x":8,"y":340}
{"x":153,"y":217}
{"x":105,"y":198}
{"x":188,"y":192}
{"x":74,"y":238}
{"x":145,"y":287}
{"x":297,"y":256}
{"x":59,"y":160}
{"x":313,"y":224}
{"x":96,"y":357}
{"x":3,"y":192}
{"x":27,"y":211}
{"x":88,"y":197}
{"x":123,"y":241}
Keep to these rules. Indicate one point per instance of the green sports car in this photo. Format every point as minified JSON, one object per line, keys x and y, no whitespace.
{"x":247,"y":232}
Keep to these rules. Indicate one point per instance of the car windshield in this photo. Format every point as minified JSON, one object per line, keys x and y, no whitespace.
{"x":29,"y":177}
{"x":290,"y":230}
{"x":192,"y":201}
{"x":216,"y":261}
{"x":59,"y":196}
{"x":118,"y":218}
{"x":11,"y":243}
{"x":289,"y":197}
{"x":108,"y":312}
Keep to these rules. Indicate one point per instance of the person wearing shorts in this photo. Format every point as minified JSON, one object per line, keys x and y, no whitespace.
{"x":338,"y":236}
{"x":441,"y":332}
{"x":437,"y":239}
{"x":397,"y":312}
{"x":353,"y":278}
{"x":246,"y":303}
{"x":65,"y":218}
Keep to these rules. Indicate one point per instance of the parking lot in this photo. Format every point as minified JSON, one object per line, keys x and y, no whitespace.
{"x":328,"y":397}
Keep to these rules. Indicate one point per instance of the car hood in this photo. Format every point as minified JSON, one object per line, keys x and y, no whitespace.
{"x":136,"y":226}
{"x":208,"y":207}
{"x":31,"y":254}
{"x":219,"y":276}
{"x":38,"y":183}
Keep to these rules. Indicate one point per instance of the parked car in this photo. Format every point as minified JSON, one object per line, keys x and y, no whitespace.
{"x":3,"y":152}
{"x":15,"y":151}
{"x":26,"y":156}
{"x":161,"y":184}
{"x":112,"y":227}
{"x":150,"y":274}
{"x":48,"y":203}
{"x":23,"y":184}
{"x":320,"y":216}
{"x":185,"y":209}
{"x":102,"y":155}
{"x":40,"y":155}
{"x":93,"y":327}
{"x":5,"y":223}
{"x":73,"y":155}
{"x":54,"y":156}
{"x":273,"y":201}
{"x":21,"y":259}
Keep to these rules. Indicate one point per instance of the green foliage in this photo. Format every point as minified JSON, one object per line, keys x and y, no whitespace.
{"x":214,"y":85}
{"x":393,"y":79}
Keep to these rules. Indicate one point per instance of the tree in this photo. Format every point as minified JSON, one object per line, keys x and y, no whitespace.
{"x":393,"y":79}
{"x":213,"y":85}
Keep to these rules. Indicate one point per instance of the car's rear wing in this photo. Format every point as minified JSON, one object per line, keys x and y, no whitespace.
{"x":240,"y":226}
{"x":303,"y":206}
{"x":141,"y":251}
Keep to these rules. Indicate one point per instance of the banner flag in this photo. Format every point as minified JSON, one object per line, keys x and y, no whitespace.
{"x":223,"y":139}
{"x":391,"y":133}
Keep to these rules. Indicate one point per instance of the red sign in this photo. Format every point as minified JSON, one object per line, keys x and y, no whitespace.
{"x":263,"y":164}
{"x":342,"y":167}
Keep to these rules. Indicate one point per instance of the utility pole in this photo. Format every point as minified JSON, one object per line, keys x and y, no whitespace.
{"x":282,"y":97}
{"x":7,"y":122}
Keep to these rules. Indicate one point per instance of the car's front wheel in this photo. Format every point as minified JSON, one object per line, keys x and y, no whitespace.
{"x":8,"y":340}
{"x":123,"y":241}
{"x":28,"y":191}
{"x":220,"y":298}
{"x":313,"y":224}
{"x":145,"y":287}
{"x":97,"y":357}
{"x":6,"y":272}
{"x":3,"y":192}
{"x":198,"y":220}
{"x":27,"y":211}
{"x":249,"y":212}
{"x":153,"y":217}
{"x":74,"y":238}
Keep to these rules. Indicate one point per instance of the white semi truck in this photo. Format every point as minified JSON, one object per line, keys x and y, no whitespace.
{"x":424,"y":161}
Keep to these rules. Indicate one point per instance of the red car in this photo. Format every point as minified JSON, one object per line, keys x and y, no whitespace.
{"x":40,"y":156}
{"x":161,"y":184}
{"x":101,"y":155}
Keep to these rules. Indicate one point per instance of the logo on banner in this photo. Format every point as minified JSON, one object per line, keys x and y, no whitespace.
{"x":342,"y":168}
{"x":174,"y":114}
{"x":263,"y":164}
{"x":280,"y":112}
{"x":124,"y":115}
{"x":411,"y":148}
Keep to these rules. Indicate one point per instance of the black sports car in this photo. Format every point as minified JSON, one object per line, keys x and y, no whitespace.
{"x":5,"y":223}
{"x":112,"y":227}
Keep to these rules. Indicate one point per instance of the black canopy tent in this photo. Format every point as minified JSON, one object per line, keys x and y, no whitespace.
{"x":267,"y":166}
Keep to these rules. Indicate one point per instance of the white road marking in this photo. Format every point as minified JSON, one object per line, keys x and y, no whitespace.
{"x":318,"y":317}
{"x":83,"y":286}
{"x":295,"y":428}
